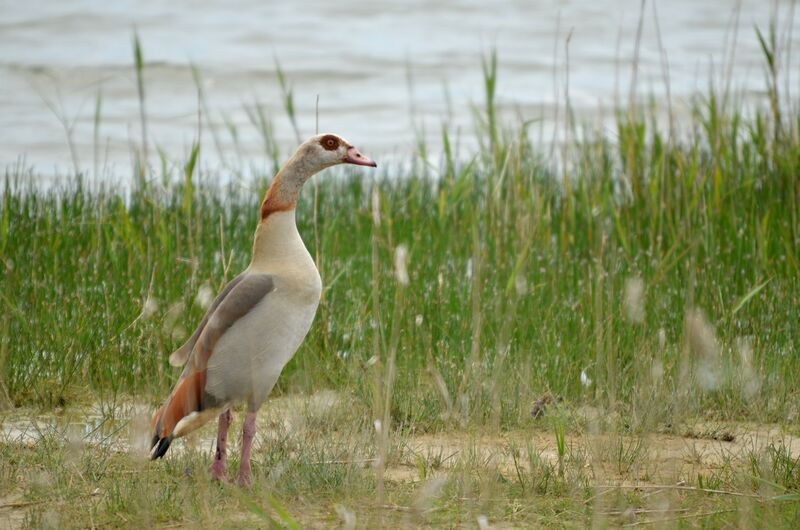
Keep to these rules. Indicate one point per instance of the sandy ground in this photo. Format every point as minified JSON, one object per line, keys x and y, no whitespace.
{"x":697,"y":446}
{"x":650,"y":460}
{"x":654,"y":457}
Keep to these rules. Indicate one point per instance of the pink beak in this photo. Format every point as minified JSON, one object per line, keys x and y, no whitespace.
{"x":354,"y":156}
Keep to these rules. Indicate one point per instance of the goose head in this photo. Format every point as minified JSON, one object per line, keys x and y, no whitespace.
{"x":326,"y":150}
{"x":313,"y":155}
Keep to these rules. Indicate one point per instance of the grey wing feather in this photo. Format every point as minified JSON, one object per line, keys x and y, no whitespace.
{"x":240,"y":300}
{"x":180,"y":356}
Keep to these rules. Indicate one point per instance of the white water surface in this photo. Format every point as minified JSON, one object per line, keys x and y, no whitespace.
{"x":385,"y":72}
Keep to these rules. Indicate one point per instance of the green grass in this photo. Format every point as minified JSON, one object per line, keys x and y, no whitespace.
{"x":507,"y":270}
{"x":666,"y":268}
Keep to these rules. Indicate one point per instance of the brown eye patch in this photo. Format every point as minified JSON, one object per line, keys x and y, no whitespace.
{"x":329,"y":142}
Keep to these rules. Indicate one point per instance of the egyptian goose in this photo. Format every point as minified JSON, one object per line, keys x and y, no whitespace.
{"x":257,"y":322}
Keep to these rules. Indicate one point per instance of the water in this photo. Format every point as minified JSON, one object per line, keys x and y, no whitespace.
{"x":383,"y":73}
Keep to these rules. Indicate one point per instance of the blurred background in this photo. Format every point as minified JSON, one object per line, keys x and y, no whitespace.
{"x":387,"y":74}
{"x":566,"y":298}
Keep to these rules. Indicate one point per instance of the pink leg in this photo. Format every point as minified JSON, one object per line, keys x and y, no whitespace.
{"x":220,"y":465}
{"x":248,"y":433}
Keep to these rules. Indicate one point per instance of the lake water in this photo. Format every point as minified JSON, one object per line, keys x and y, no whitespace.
{"x":383,"y":71}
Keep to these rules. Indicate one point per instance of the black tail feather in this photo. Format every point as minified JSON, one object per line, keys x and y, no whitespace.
{"x":159,"y":446}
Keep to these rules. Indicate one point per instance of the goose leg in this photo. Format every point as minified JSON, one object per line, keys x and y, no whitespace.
{"x":220,"y":464}
{"x":248,"y":433}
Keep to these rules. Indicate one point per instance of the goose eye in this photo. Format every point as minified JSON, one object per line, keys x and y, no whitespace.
{"x":329,"y":142}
